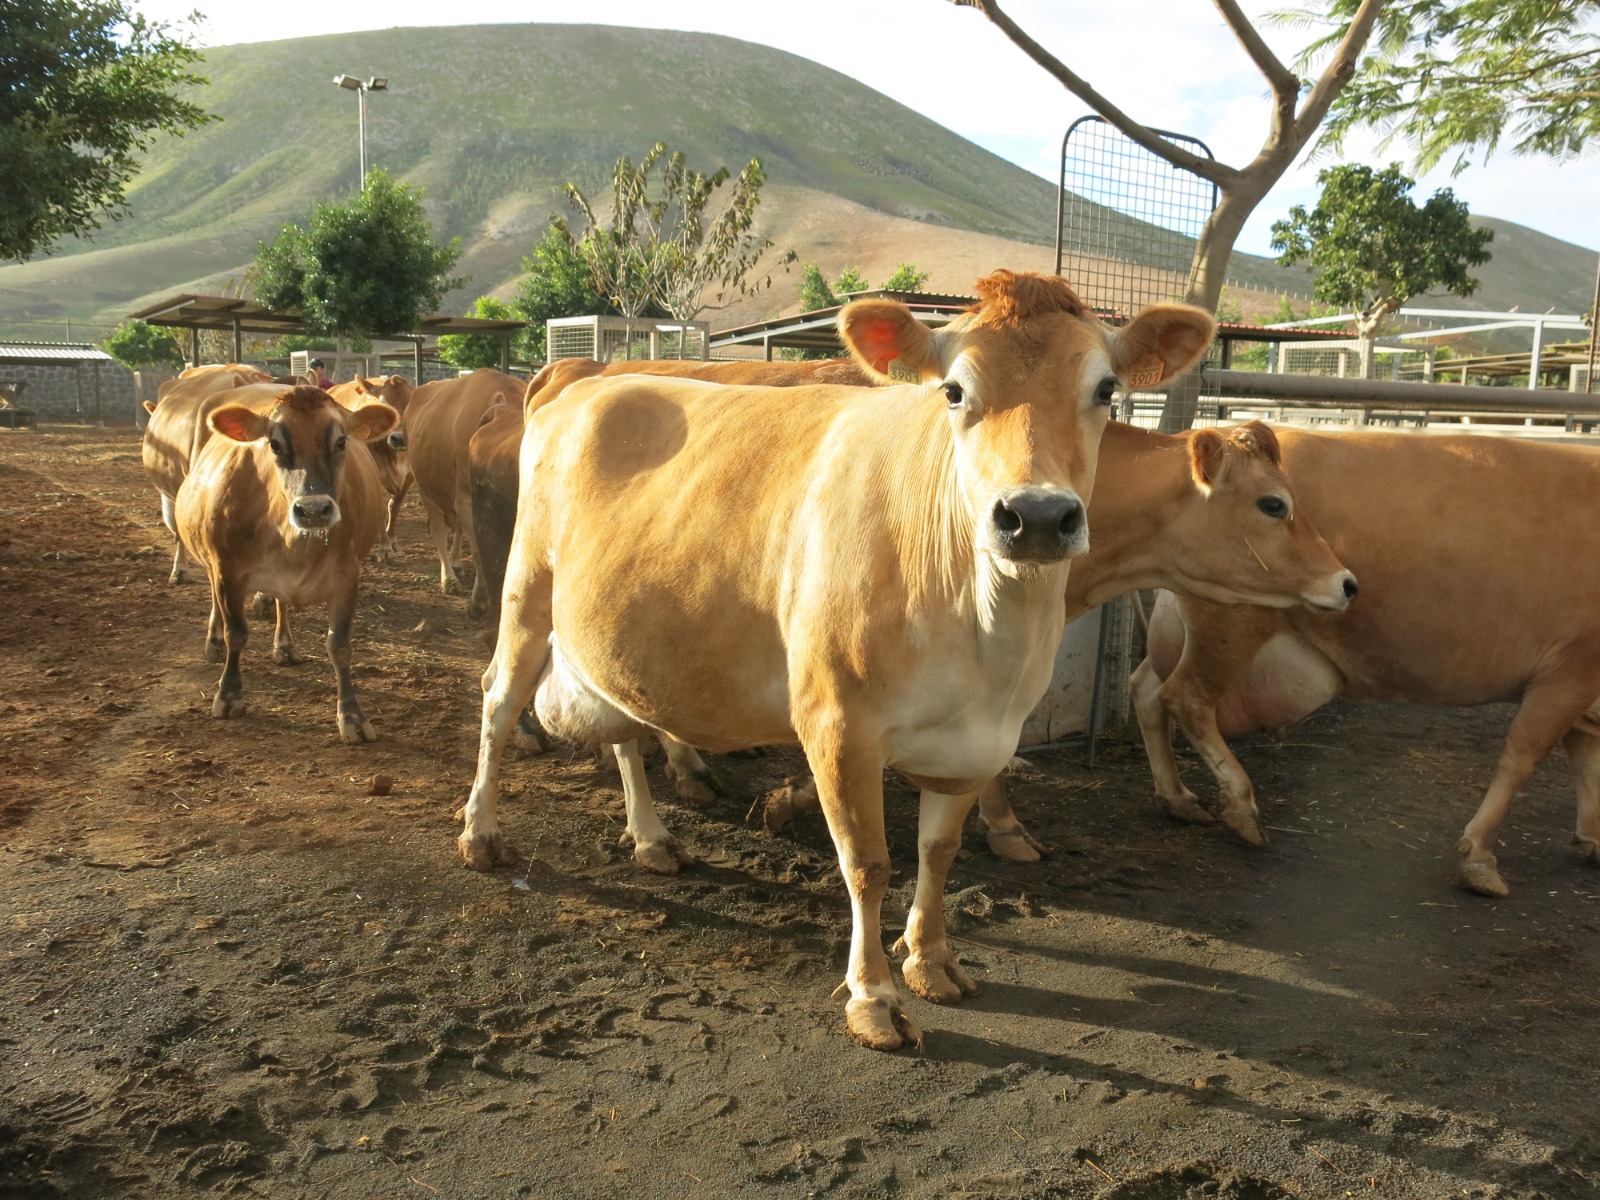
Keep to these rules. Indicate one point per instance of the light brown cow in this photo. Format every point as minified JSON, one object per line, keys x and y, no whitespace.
{"x":440,"y":421}
{"x":285,"y":500}
{"x":177,"y":429}
{"x":874,"y":573}
{"x":389,"y":454}
{"x":1478,"y":577}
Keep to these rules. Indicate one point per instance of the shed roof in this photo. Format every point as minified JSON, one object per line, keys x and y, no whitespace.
{"x":49,"y":354}
{"x":192,"y":311}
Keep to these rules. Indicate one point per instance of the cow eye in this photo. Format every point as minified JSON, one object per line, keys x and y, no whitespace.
{"x":1274,"y":506}
{"x":1107,"y":389}
{"x":338,"y":443}
{"x":954,"y":394}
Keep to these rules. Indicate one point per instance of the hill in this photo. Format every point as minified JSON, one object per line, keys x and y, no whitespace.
{"x":491,"y":120}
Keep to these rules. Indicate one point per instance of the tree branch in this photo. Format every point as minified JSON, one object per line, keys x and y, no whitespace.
{"x":1143,"y":135}
{"x":1279,"y":76}
{"x":1337,"y":73}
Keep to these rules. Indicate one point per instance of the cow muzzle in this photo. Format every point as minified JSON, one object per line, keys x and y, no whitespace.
{"x":1037,"y":524}
{"x":396,"y":441}
{"x":314,"y":512}
{"x":1335,"y":596}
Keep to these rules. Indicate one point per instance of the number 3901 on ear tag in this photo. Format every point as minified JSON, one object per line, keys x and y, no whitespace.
{"x":1146,"y":373}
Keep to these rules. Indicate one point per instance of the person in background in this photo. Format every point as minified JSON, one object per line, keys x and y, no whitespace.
{"x":319,"y":374}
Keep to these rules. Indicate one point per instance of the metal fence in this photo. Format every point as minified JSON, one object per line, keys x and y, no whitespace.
{"x":616,"y":339}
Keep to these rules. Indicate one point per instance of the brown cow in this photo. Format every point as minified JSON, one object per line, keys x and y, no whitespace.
{"x":177,"y":429}
{"x":440,"y":421}
{"x":1478,"y":584}
{"x":285,"y":500}
{"x":388,"y":455}
{"x":874,"y":573}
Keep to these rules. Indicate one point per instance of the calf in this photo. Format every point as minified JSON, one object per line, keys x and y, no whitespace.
{"x":874,"y":573}
{"x":285,"y":500}
{"x":1478,"y":584}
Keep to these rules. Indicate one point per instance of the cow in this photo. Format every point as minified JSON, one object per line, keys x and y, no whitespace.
{"x":389,"y":454}
{"x":176,"y":430}
{"x":1208,"y":514}
{"x":875,"y":574}
{"x":440,"y":421}
{"x":1477,"y":586}
{"x":285,"y":499}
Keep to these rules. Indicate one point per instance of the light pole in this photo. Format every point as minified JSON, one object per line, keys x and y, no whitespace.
{"x":361,"y":88}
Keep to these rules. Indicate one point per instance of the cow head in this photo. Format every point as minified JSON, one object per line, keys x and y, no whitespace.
{"x":1249,"y":543}
{"x":306,"y":431}
{"x":393,"y":390}
{"x":1027,"y":378}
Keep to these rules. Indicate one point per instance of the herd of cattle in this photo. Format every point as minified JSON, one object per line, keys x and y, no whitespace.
{"x":875,"y":558}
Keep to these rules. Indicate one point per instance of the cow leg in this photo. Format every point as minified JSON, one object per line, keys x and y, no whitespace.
{"x":850,"y":786}
{"x":696,"y":784}
{"x":283,"y":651}
{"x":169,"y":518}
{"x":1155,"y":726}
{"x":227,"y":606}
{"x":1196,"y":713}
{"x":439,"y":531}
{"x":788,"y":802}
{"x":654,"y":848}
{"x":520,"y":653}
{"x":1583,"y":751}
{"x":386,"y":552}
{"x":354,"y":727}
{"x":216,"y":642}
{"x":529,"y":736}
{"x":1008,"y":838}
{"x":1547,"y":713}
{"x":478,"y":598}
{"x":930,"y":969}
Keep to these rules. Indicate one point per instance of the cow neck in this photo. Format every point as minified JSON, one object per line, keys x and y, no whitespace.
{"x":1143,"y":483}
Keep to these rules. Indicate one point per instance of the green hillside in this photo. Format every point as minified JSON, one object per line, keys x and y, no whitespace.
{"x":490,"y":120}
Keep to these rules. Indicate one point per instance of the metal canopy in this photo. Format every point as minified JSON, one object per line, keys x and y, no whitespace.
{"x":237,"y":315}
{"x":51,"y":354}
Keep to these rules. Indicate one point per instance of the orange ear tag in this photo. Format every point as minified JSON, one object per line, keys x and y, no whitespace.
{"x":1146,"y":373}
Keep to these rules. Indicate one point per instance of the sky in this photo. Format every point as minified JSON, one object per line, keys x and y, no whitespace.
{"x":1169,"y":63}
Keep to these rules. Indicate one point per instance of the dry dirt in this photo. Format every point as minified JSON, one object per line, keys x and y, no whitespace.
{"x":225,"y":967}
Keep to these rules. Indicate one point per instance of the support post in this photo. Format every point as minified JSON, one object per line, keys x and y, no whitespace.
{"x":238,"y":342}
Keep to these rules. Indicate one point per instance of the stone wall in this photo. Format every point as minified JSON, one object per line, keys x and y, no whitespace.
{"x":67,"y":393}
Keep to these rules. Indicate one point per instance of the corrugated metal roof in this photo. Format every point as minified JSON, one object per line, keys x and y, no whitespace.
{"x":51,"y":352}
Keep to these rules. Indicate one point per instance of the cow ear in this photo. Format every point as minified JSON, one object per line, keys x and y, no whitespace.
{"x":1161,"y":343}
{"x":149,"y":406}
{"x":1258,"y":438}
{"x":371,"y":422}
{"x":879,"y":332}
{"x":238,"y":422}
{"x":1206,"y":448}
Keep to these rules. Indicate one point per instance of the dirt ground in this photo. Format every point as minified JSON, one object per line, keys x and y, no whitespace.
{"x":226,"y":967}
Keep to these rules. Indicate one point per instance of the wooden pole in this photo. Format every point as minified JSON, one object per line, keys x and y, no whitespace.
{"x":1594,"y":321}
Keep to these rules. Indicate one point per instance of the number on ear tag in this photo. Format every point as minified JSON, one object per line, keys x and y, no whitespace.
{"x":1146,"y":373}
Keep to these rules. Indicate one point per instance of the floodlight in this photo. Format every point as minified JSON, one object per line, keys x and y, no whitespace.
{"x":375,"y":84}
{"x":348,"y":81}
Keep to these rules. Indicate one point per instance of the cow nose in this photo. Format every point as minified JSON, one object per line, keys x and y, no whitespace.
{"x":1351,"y":587}
{"x":1039,"y":524}
{"x":396,"y":440}
{"x":313,"y":512}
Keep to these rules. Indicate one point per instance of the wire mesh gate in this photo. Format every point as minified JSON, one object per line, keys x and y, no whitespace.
{"x":1127,"y":222}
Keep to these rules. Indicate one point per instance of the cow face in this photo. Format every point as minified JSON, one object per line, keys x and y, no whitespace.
{"x":1250,"y":544}
{"x":393,"y":390}
{"x":306,"y":432}
{"x":1027,"y":379}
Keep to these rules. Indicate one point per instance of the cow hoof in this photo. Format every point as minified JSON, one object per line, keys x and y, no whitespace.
{"x":215,"y":652}
{"x":1187,"y":808}
{"x":528,"y":736}
{"x":663,"y":857}
{"x":1483,"y":878}
{"x":485,"y":852}
{"x":880,"y":1024}
{"x":1587,"y":847}
{"x":937,"y":978}
{"x":355,"y":730}
{"x":449,"y":587}
{"x":1247,"y":828}
{"x":287,"y":656}
{"x":476,"y":607}
{"x":177,"y":577}
{"x":261,"y":606}
{"x":784,"y":804}
{"x":1016,"y":845}
{"x":697,"y":789}
{"x":225,"y":708}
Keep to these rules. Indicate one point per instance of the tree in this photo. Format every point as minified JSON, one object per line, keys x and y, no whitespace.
{"x":1297,"y":111}
{"x":137,"y":344}
{"x":367,"y":267}
{"x":850,"y":280}
{"x":1456,"y":77}
{"x":85,"y":87}
{"x":469,"y":351}
{"x":906,"y":278}
{"x":1374,"y":248}
{"x":814,"y":290}
{"x":558,"y":283}
{"x":659,"y":248}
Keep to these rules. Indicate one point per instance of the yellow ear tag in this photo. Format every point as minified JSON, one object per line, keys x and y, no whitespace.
{"x":901,"y":373}
{"x":1146,"y":373}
